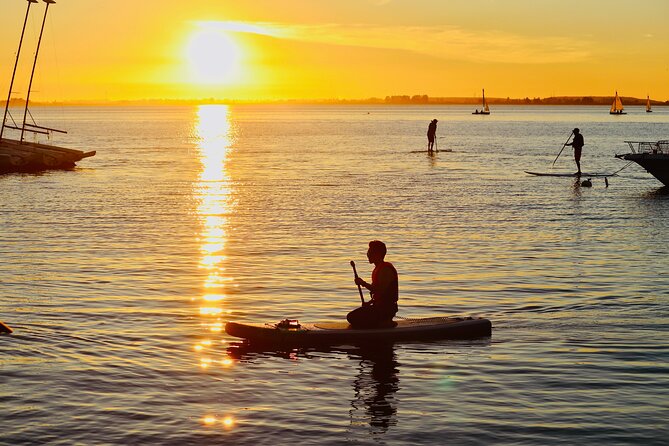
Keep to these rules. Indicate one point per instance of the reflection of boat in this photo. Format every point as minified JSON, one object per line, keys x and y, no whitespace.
{"x":18,"y":155}
{"x":652,"y":156}
{"x":291,"y":332}
{"x":648,"y":110}
{"x":485,"y":110}
{"x":617,"y":106}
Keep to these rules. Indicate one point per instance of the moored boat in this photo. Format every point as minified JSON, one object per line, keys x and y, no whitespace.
{"x":24,"y":156}
{"x":652,"y":156}
{"x":19,"y":155}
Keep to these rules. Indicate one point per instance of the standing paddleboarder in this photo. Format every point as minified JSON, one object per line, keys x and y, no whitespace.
{"x":577,"y":143}
{"x":431,"y":134}
{"x":384,"y":288}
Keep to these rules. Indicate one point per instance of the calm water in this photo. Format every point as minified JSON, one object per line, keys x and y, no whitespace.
{"x":118,"y":276}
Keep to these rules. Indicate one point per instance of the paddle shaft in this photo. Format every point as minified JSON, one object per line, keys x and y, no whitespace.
{"x":563,"y":146}
{"x":355,"y":274}
{"x":4,"y":328}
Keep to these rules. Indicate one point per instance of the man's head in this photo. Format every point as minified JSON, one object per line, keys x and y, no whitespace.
{"x":576,"y":131}
{"x":376,"y":251}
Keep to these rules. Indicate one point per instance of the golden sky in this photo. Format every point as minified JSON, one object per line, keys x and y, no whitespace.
{"x":277,"y":49}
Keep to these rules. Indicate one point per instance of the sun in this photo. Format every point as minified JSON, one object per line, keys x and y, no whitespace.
{"x":213,"y":57}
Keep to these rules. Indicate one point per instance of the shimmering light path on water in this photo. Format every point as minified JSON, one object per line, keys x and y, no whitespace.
{"x":118,"y":277}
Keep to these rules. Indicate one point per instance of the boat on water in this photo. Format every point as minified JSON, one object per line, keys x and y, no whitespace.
{"x":617,"y":106}
{"x":17,"y":154}
{"x":485,"y":110}
{"x":652,"y":156}
{"x":291,"y":332}
{"x":648,"y":109}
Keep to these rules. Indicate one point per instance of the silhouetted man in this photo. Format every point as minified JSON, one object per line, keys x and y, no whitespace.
{"x":431,"y":134}
{"x":384,"y":288}
{"x":577,"y":143}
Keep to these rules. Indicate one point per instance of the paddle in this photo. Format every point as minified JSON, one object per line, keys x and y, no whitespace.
{"x":563,"y":146}
{"x":5,"y":328}
{"x":355,"y":274}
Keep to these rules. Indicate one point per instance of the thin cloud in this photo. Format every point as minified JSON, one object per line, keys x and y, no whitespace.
{"x":265,"y":29}
{"x":441,"y":42}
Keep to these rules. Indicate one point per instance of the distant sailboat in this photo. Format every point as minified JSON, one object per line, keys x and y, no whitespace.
{"x":648,"y":110}
{"x":485,"y":110}
{"x":617,"y":106}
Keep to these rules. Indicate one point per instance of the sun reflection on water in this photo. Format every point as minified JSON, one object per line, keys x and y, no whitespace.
{"x":211,"y":420}
{"x":215,"y":136}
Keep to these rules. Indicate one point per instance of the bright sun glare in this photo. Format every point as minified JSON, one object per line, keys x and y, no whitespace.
{"x":213,"y":57}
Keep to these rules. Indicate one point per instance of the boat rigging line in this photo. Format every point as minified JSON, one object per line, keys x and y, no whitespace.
{"x":32,"y":74}
{"x":16,"y":63}
{"x":619,"y":170}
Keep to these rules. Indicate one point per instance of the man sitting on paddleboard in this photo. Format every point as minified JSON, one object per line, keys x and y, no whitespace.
{"x":384,"y":288}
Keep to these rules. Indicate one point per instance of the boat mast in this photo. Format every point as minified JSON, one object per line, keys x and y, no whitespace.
{"x":16,"y":64}
{"x":614,"y":106}
{"x":39,"y":42}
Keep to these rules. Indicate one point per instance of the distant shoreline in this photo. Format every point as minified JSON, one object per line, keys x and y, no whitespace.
{"x":388,"y":100}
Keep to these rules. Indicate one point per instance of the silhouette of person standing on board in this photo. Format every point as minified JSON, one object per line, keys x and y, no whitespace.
{"x":379,"y":311}
{"x":577,"y":143}
{"x":431,"y":134}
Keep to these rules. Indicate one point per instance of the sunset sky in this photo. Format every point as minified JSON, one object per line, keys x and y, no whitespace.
{"x":277,"y":49}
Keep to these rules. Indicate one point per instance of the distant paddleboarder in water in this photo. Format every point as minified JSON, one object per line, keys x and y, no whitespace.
{"x":431,"y":134}
{"x":384,"y":288}
{"x":577,"y":144}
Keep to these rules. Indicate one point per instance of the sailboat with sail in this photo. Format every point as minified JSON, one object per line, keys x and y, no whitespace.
{"x":485,"y":110}
{"x":19,"y":155}
{"x":648,"y":109}
{"x":617,"y":106}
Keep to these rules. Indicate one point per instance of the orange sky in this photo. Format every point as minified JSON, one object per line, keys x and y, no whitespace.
{"x":149,"y":49}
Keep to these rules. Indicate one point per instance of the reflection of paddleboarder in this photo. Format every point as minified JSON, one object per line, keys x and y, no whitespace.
{"x":577,"y":144}
{"x":375,"y":387}
{"x":431,"y":134}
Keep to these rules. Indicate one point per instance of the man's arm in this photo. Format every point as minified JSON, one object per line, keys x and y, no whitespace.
{"x":361,"y":282}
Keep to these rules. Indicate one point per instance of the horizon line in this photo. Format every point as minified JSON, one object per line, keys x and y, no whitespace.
{"x":388,"y":100}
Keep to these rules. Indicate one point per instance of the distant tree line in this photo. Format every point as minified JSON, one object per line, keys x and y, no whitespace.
{"x":557,"y":100}
{"x":417,"y":99}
